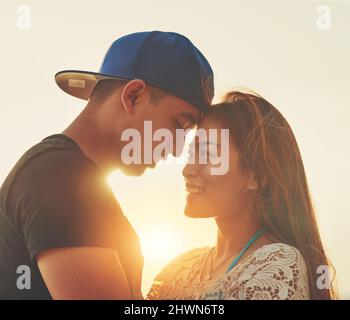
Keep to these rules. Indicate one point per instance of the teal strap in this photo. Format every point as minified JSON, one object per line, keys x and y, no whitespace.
{"x":252,"y":239}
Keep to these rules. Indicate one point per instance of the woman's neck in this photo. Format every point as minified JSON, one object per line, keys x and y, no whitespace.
{"x":233,"y":234}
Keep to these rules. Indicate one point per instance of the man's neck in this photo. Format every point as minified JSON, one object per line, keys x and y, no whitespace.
{"x":92,"y":142}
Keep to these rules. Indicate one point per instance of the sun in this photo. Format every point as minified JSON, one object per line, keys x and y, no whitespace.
{"x":161,"y":244}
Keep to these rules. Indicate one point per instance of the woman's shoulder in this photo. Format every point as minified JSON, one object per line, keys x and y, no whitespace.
{"x":274,"y":271}
{"x":277,"y":252}
{"x":274,"y":256}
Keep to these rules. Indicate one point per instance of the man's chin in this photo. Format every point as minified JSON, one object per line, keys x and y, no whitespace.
{"x":135,"y":170}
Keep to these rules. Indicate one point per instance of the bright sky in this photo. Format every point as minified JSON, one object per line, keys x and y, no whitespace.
{"x":275,"y":47}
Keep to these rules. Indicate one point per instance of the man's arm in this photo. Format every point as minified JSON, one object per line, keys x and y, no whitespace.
{"x":83,"y":273}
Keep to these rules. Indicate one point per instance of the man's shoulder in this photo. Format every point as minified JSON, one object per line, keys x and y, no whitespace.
{"x":55,"y":159}
{"x":47,"y":163}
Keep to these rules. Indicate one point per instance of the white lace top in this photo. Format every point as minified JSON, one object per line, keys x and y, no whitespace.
{"x":274,"y":271}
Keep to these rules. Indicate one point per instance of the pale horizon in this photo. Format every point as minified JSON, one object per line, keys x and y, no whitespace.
{"x":277,"y":48}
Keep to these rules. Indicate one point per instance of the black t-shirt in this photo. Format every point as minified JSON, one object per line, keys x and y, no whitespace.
{"x":54,"y":197}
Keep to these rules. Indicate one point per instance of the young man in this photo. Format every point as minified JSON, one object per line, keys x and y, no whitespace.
{"x":62,"y":232}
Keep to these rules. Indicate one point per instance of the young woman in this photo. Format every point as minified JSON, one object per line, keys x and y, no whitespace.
{"x":268,"y":244}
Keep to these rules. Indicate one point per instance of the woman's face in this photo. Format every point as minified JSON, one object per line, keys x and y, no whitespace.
{"x":211,"y":195}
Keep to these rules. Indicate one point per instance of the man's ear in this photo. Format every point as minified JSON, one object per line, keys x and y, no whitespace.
{"x":131,"y":93}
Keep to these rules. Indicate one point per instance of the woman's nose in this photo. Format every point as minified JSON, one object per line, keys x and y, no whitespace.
{"x":190,"y":170}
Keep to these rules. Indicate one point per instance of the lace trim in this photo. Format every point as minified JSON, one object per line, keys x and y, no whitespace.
{"x":274,"y":271}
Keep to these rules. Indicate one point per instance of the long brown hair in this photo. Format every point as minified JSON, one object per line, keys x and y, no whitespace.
{"x":267,"y":146}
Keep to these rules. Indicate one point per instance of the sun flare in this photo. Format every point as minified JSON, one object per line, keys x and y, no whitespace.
{"x":160,"y":244}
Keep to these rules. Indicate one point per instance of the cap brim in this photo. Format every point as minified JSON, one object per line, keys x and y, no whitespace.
{"x":80,"y":84}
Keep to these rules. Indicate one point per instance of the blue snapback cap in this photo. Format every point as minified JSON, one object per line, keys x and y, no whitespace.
{"x":166,"y":60}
